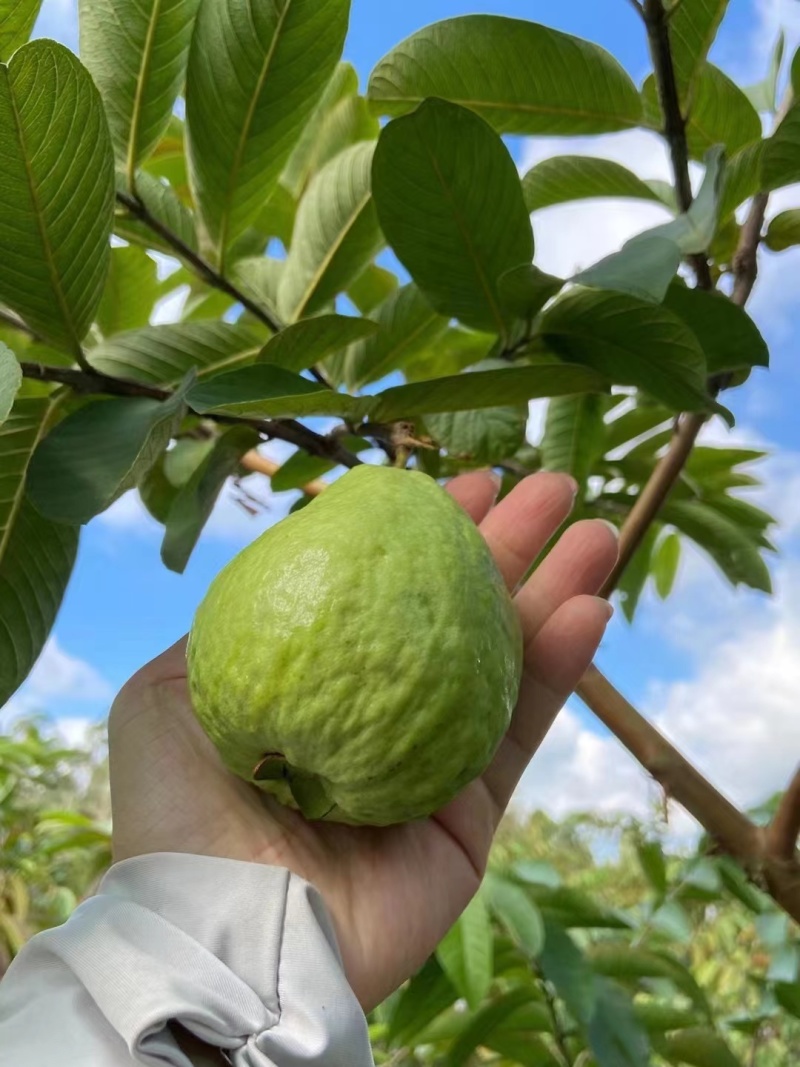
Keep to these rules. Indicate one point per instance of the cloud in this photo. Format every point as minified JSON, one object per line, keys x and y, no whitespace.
{"x":57,"y":678}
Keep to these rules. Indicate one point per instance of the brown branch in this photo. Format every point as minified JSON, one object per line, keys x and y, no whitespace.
{"x":784,"y":829}
{"x":745,"y":260}
{"x":733,"y":831}
{"x":200,"y":266}
{"x":92,"y":382}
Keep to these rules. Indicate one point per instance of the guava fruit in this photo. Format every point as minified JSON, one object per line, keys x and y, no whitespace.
{"x":361,"y":659}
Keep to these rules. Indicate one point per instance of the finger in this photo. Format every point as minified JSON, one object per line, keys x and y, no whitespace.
{"x":475,"y":492}
{"x":579,"y":563}
{"x":523,"y":522}
{"x":558,"y":658}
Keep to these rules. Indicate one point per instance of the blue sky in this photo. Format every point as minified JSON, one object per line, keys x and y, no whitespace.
{"x":690,"y":662}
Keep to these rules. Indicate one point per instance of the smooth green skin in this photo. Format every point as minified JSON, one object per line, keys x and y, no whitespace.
{"x":371,"y":641}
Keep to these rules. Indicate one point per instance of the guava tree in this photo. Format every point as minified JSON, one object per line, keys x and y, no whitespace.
{"x":279,"y":196}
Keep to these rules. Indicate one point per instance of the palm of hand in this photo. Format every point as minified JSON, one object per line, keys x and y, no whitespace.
{"x":392,"y":893}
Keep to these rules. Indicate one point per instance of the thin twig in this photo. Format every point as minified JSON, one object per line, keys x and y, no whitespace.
{"x":200,"y":266}
{"x":559,"y":1036}
{"x":92,"y":382}
{"x":784,"y":830}
{"x":637,"y":6}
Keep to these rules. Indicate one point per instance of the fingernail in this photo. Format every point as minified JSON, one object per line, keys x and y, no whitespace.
{"x":572,"y":484}
{"x":497,"y":478}
{"x":607,"y":605}
{"x":614,"y":529}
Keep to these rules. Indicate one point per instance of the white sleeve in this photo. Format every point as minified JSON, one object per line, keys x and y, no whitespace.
{"x":241,"y":955}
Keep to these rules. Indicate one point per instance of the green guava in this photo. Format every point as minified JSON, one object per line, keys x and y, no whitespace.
{"x":361,"y":659}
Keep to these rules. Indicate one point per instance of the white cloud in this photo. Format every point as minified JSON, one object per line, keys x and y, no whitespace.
{"x":56,"y":677}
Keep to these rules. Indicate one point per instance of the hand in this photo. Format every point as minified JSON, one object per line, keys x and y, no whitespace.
{"x":392,"y":893}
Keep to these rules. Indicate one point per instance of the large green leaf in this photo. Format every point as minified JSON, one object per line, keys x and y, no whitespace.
{"x":302,"y":468}
{"x":727,"y":335}
{"x":485,"y":1023}
{"x":780,"y":163}
{"x":163,"y":354}
{"x":784,"y":231}
{"x":455,"y":350}
{"x":259,"y":277}
{"x":336,"y":234}
{"x":634,"y":579}
{"x":520,"y":76}
{"x":194,"y":502}
{"x":666,"y":559}
{"x":644,"y":268}
{"x":450,"y":202}
{"x":742,"y":178}
{"x":267,"y":391}
{"x":97,"y":453}
{"x":480,"y":438}
{"x":136,"y":53}
{"x":692,"y":29}
{"x":57,"y":169}
{"x":568,"y":970}
{"x":303,"y":161}
{"x":466,"y":953}
{"x":373,"y":285}
{"x":626,"y":962}
{"x":36,"y":556}
{"x":694,"y":231}
{"x":731,"y":548}
{"x":764,"y":94}
{"x":132,"y":289}
{"x":164,"y":204}
{"x":483,"y":389}
{"x":631,"y":342}
{"x":697,"y":1047}
{"x":427,"y":995}
{"x":616,"y":1037}
{"x":17,"y":19}
{"x":517,"y":913}
{"x":310,"y":341}
{"x":10,"y":381}
{"x":574,"y":435}
{"x":563,"y":178}
{"x":407,"y":325}
{"x":256,"y":73}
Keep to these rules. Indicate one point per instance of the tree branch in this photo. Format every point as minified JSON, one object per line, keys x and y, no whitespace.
{"x":733,"y":831}
{"x":92,"y":382}
{"x":200,"y":266}
{"x":784,"y":830}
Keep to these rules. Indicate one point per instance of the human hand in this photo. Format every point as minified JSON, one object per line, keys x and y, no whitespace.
{"x":392,"y":892}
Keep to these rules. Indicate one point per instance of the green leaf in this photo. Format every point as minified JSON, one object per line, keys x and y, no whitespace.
{"x":303,"y":161}
{"x":517,"y":913}
{"x":742,"y":178}
{"x":643,"y":268}
{"x":132,"y":289}
{"x":574,"y":435}
{"x":450,"y":202}
{"x":17,"y":19}
{"x":156,"y":490}
{"x":672,"y":920}
{"x":485,"y":1023}
{"x":651,"y":858}
{"x":302,"y":468}
{"x":694,"y":231}
{"x":788,"y":996}
{"x":521,"y":1048}
{"x":454,"y":351}
{"x":561,"y":179}
{"x":665,"y":564}
{"x":349,"y":122}
{"x":480,"y":438}
{"x":336,"y":234}
{"x":165,"y":206}
{"x":784,"y":231}
{"x":57,"y":168}
{"x":372,"y":287}
{"x":427,"y":995}
{"x":785,"y":964}
{"x":192,"y":506}
{"x":305,"y":343}
{"x":407,"y":325}
{"x":136,"y":53}
{"x":467,"y":952}
{"x":631,"y":343}
{"x":163,"y":354}
{"x":773,"y":929}
{"x":729,"y":338}
{"x":568,"y":970}
{"x":632,"y":583}
{"x":246,"y":107}
{"x":485,"y":62}
{"x":626,"y":962}
{"x":764,"y":95}
{"x":10,"y":381}
{"x":537,"y":872}
{"x":698,"y":1047}
{"x":97,"y":453}
{"x":36,"y":556}
{"x":729,"y":546}
{"x":616,"y":1037}
{"x":692,"y":29}
{"x":483,"y":389}
{"x":780,"y":164}
{"x":259,"y":277}
{"x":525,"y":290}
{"x":267,"y":391}
{"x":625,"y":428}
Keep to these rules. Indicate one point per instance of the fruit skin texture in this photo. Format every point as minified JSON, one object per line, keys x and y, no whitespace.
{"x":369,"y":639}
